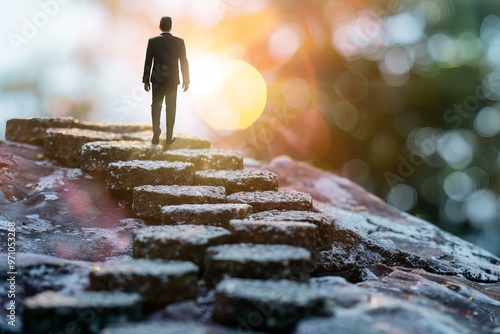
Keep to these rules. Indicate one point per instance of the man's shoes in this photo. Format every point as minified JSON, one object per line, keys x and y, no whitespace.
{"x":171,"y":141}
{"x":155,"y":140}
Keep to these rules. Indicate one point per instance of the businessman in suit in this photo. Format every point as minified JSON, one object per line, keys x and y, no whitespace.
{"x":161,"y":74}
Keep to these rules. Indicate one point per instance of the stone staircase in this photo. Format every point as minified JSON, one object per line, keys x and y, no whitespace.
{"x":214,"y":226}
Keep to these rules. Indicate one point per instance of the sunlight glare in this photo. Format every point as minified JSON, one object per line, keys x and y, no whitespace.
{"x":228,"y":94}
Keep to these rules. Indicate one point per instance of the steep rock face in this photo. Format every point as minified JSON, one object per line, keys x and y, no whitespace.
{"x":397,"y":272}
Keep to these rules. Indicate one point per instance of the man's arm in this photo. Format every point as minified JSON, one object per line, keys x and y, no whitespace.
{"x":184,"y":66}
{"x":147,"y":65}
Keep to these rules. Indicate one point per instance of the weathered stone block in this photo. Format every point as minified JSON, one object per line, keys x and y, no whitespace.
{"x":32,"y":130}
{"x":272,"y":305}
{"x":273,"y":200}
{"x":182,"y":141}
{"x":205,"y":159}
{"x":298,"y":234}
{"x":65,"y":145}
{"x":96,"y":156}
{"x":158,"y":282}
{"x":148,"y":200}
{"x":169,"y":327}
{"x":88,"y":312}
{"x":256,"y":261}
{"x":113,"y":127}
{"x":126,"y":175}
{"x":238,"y":180}
{"x":179,"y":242}
{"x":324,"y":222}
{"x":204,"y":214}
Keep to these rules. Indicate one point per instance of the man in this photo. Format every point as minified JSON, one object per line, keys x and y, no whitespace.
{"x":165,"y":52}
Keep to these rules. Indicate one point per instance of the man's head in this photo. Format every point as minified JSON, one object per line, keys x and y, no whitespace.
{"x":166,"y":23}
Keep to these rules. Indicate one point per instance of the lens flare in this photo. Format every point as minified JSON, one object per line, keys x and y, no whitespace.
{"x":228,"y":94}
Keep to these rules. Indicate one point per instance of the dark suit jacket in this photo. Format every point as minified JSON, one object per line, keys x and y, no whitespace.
{"x":165,"y":52}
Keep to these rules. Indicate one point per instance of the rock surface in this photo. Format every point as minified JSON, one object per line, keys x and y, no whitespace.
{"x":299,"y":234}
{"x":178,"y":242}
{"x":383,"y":270}
{"x":238,"y":180}
{"x":204,"y":214}
{"x":273,"y":200}
{"x":273,"y":305}
{"x":158,"y":282}
{"x":206,"y":159}
{"x":96,"y":156}
{"x":256,"y":261}
{"x":87,"y":312}
{"x":149,"y":200}
{"x":126,"y":175}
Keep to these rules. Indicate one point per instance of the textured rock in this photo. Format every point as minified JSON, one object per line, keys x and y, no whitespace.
{"x":88,"y":312}
{"x":96,"y":156}
{"x":273,"y":200}
{"x":324,"y":222}
{"x":404,"y":302}
{"x":238,"y":180}
{"x":158,"y":282}
{"x":300,"y":234}
{"x":65,"y":145}
{"x":126,"y":175}
{"x":206,"y":159}
{"x":179,"y":242}
{"x":204,"y":214}
{"x":148,"y":200}
{"x":182,"y":140}
{"x":32,"y":130}
{"x":342,"y":249}
{"x":271,"y":305}
{"x":256,"y":261}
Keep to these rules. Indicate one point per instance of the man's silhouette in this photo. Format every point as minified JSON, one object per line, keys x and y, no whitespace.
{"x":165,"y":52}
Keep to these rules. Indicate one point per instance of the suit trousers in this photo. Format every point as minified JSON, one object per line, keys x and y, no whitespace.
{"x":164,"y":92}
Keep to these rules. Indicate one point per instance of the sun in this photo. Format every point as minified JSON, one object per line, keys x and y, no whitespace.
{"x":228,"y":94}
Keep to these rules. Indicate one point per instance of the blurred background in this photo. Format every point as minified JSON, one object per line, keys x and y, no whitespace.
{"x":401,"y":97}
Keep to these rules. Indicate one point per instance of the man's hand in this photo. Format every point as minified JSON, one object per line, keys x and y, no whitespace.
{"x":147,"y":87}
{"x":185,"y":87}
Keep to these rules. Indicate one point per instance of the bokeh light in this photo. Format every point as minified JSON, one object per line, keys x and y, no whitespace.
{"x":228,"y":94}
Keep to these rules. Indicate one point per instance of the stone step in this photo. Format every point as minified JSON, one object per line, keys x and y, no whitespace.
{"x":148,"y":200}
{"x":126,"y":175}
{"x":324,"y":222}
{"x":33,"y":130}
{"x":238,"y":180}
{"x":158,"y":282}
{"x":273,"y":200}
{"x":178,"y":242}
{"x":299,"y":234}
{"x":205,"y":159}
{"x":256,"y":261}
{"x":170,"y":327}
{"x":113,"y":127}
{"x":96,"y":156}
{"x":65,"y":145}
{"x":85,"y":312}
{"x":204,"y":214}
{"x":182,"y":141}
{"x":271,"y":305}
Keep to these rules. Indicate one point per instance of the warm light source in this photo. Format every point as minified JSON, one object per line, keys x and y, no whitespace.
{"x":228,"y":94}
